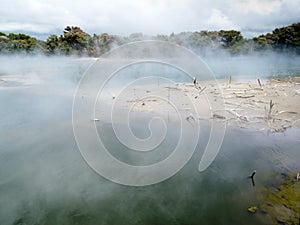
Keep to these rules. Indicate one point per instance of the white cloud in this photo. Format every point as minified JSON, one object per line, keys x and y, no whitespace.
{"x":220,"y":21}
{"x":147,"y":16}
{"x":262,"y":7}
{"x":29,"y":27}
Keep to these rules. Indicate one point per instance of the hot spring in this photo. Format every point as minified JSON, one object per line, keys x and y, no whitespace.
{"x":45,"y":180}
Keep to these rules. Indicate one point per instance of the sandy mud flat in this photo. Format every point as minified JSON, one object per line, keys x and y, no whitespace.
{"x":271,"y":105}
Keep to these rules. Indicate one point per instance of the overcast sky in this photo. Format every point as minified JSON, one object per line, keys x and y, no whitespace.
{"x":122,"y":17}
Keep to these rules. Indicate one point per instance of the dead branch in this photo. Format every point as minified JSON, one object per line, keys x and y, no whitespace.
{"x":245,"y":96}
{"x":217,"y":116}
{"x":258,"y":80}
{"x":271,"y":105}
{"x":202,"y":90}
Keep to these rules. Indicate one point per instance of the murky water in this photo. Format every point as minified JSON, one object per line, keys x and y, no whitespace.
{"x":44,"y":179}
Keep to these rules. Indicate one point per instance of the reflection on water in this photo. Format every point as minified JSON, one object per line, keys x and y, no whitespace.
{"x":44,"y":179}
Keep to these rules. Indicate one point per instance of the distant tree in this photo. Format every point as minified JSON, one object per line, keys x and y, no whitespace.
{"x":261,"y":43}
{"x":91,"y":47}
{"x":21,"y":42}
{"x":241,"y":47}
{"x":3,"y":42}
{"x":103,"y":43}
{"x":230,"y":37}
{"x":200,"y":41}
{"x":282,"y":39}
{"x":287,"y":37}
{"x":162,"y":37}
{"x":74,"y":40}
{"x":182,"y":38}
{"x":52,"y":44}
{"x":171,"y":37}
{"x":207,"y":39}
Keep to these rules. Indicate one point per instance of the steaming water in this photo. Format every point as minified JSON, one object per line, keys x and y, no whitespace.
{"x":44,"y":179}
{"x":255,"y":66}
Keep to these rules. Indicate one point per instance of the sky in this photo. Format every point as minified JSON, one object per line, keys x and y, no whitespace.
{"x":122,"y":17}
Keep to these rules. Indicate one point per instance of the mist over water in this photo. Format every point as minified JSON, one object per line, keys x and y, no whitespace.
{"x":45,"y":180}
{"x":268,"y":65}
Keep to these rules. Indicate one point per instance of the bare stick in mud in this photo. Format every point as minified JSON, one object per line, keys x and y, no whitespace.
{"x":271,"y":104}
{"x":202,"y":90}
{"x":252,"y":177}
{"x":196,"y":85}
{"x":258,"y":80}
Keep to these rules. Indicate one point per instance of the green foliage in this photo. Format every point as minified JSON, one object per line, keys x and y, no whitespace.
{"x":282,"y":39}
{"x":240,"y":47}
{"x":75,"y":41}
{"x":21,"y":42}
{"x":52,"y":44}
{"x":230,"y":38}
{"x":281,"y":203}
{"x":261,"y":43}
{"x":103,"y":43}
{"x":3,"y":42}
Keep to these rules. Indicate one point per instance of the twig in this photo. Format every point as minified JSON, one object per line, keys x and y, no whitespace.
{"x":258,"y":80}
{"x":241,"y":117}
{"x":271,"y":104}
{"x":245,"y":96}
{"x":217,"y":116}
{"x":290,"y":112}
{"x":202,"y":90}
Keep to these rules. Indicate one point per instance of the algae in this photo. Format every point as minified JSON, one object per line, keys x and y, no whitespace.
{"x":252,"y":209}
{"x":282,"y":204}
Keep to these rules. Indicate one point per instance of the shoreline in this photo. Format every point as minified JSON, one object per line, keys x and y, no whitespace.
{"x":271,"y":105}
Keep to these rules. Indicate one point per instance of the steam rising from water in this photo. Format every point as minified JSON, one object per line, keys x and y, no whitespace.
{"x":254,"y":66}
{"x":44,"y":180}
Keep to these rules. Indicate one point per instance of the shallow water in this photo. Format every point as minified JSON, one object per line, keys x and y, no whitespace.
{"x":45,"y":180}
{"x":268,"y":65}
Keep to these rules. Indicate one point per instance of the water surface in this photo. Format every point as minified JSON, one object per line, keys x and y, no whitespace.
{"x":44,"y":179}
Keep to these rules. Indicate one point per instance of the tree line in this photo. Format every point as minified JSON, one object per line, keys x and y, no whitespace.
{"x":74,"y":41}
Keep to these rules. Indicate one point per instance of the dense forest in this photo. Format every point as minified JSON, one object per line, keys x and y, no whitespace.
{"x":74,"y":41}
